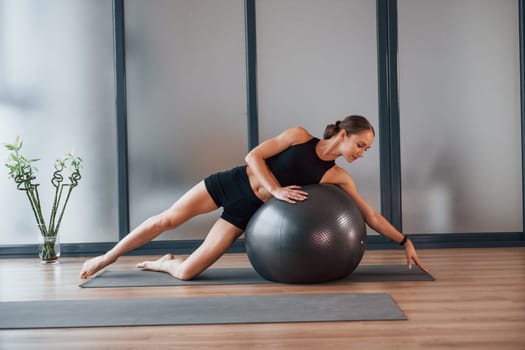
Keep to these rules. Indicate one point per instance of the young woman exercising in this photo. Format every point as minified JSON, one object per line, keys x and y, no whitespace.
{"x":276,"y":168}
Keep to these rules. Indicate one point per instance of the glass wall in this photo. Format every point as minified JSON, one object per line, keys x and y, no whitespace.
{"x":317,"y":63}
{"x":187,"y":115}
{"x":57,"y":94}
{"x":460,"y":116}
{"x":186,"y":90}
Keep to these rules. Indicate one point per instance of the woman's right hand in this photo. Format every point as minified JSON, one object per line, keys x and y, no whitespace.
{"x":411,"y":255}
{"x":291,"y":194}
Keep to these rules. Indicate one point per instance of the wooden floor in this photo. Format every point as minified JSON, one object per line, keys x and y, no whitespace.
{"x":477,"y":302}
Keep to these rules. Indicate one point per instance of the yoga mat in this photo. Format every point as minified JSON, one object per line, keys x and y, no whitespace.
{"x":139,"y":278}
{"x":184,"y":311}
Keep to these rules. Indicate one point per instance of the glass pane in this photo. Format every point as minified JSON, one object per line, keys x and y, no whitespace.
{"x":186,"y":87}
{"x":317,"y":63}
{"x":57,"y":94}
{"x":460,"y":116}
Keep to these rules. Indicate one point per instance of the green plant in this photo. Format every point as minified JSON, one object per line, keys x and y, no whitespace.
{"x":22,"y":171}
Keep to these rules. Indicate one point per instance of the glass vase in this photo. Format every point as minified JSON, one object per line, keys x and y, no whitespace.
{"x":49,"y":249}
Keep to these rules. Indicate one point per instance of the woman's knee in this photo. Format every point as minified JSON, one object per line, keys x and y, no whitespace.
{"x":184,"y":274}
{"x":166,"y":220}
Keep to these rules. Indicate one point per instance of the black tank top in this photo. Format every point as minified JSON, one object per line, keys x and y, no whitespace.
{"x":299,"y":165}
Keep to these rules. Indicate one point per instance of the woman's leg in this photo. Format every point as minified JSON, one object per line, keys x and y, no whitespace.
{"x":219,"y":239}
{"x":196,"y":201}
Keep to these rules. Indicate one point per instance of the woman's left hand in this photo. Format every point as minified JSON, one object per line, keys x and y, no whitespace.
{"x":411,"y":255}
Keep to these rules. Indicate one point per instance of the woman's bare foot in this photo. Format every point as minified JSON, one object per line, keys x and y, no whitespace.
{"x":155,"y":265}
{"x":92,"y":266}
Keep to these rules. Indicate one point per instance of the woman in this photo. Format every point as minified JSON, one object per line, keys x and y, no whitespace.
{"x":276,"y":168}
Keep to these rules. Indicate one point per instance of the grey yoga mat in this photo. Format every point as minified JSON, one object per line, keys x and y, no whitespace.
{"x":184,"y":311}
{"x":139,"y":278}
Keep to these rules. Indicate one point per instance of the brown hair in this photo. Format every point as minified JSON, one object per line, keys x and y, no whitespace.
{"x":352,"y":124}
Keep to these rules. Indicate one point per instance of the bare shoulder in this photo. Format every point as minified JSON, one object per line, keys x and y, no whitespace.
{"x":296,"y":134}
{"x":338,"y":176}
{"x":279,"y":143}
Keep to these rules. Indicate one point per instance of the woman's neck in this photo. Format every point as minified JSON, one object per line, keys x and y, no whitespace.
{"x":328,"y":149}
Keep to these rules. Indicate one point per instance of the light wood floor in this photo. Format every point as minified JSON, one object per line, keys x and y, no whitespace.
{"x":477,"y":302}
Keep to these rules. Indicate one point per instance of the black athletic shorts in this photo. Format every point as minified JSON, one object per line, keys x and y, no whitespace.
{"x":231,"y":190}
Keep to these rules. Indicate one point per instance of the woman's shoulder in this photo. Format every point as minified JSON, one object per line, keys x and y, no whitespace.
{"x":298,"y":134}
{"x":337,"y":175}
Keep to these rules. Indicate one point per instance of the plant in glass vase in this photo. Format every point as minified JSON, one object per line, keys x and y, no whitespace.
{"x":22,"y":171}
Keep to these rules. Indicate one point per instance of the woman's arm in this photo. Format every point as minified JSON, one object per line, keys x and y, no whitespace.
{"x":256,"y":160}
{"x":374,"y":219}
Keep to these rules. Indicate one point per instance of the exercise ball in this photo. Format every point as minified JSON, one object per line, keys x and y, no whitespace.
{"x":317,"y":240}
